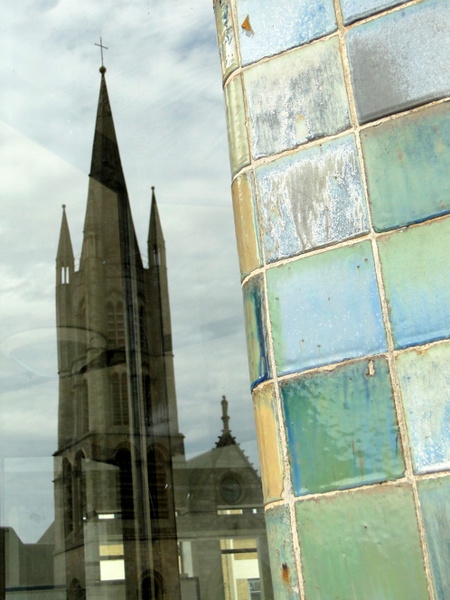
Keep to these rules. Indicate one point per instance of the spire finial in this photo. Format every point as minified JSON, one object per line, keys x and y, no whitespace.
{"x":225,"y":417}
{"x":101,"y":46}
{"x":226,"y":439}
{"x":64,"y":207}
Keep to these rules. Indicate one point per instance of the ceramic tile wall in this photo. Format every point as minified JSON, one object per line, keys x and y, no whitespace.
{"x":339,"y":130}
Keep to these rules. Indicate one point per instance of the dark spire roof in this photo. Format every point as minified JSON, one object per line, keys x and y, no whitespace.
{"x":155,"y":234}
{"x":106,"y":166}
{"x":65,"y":252}
{"x":226,"y":439}
{"x":117,"y":235}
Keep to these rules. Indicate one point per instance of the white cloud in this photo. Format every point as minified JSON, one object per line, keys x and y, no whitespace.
{"x":165,"y":89}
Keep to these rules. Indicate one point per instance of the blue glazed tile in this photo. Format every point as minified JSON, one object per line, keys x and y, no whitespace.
{"x":256,"y":332}
{"x":269,"y":27}
{"x":424,"y":378}
{"x":341,"y":427}
{"x":407,"y":162}
{"x":400,"y":60}
{"x":416,"y":273}
{"x":225,"y":37}
{"x":311,"y":199}
{"x":434,"y":495}
{"x":357,"y":9}
{"x":285,"y":109}
{"x":282,"y":555}
{"x":325,"y":308}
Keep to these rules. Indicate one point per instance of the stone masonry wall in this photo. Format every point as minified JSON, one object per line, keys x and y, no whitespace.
{"x":339,"y":136}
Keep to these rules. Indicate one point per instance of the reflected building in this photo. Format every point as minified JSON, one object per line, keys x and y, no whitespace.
{"x":134,"y":518}
{"x":221,"y":527}
{"x":117,"y":424}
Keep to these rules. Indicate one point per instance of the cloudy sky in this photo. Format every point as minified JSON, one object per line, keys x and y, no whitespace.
{"x":164,"y":83}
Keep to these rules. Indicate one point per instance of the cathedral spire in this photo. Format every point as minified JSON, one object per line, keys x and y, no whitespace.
{"x":64,"y":257}
{"x":108,"y":216}
{"x":106,"y":166}
{"x":226,"y":439}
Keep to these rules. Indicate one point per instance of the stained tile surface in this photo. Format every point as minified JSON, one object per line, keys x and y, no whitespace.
{"x":268,"y":443}
{"x":256,"y":332}
{"x":424,"y":377}
{"x":294,"y":21}
{"x":416,"y":273}
{"x":285,"y":110}
{"x":311,"y":198}
{"x":362,"y":545}
{"x":246,"y":223}
{"x":357,"y":9}
{"x":282,"y":562}
{"x":408,"y":164}
{"x":237,"y":132}
{"x":342,"y":429}
{"x":226,"y":37}
{"x":325,"y":308}
{"x":434,"y":497}
{"x":398,"y":60}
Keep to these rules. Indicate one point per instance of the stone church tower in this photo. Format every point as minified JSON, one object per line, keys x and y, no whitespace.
{"x":118,"y":429}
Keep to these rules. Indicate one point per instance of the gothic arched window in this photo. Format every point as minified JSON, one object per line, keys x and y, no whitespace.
{"x":115,"y":328}
{"x":82,"y":327}
{"x":123,"y":461}
{"x":158,"y":482}
{"x":80,"y":498}
{"x":82,"y":407}
{"x":67,"y":498}
{"x":75,"y":591}
{"x":153,"y":586}
{"x":143,"y":329}
{"x":119,"y":388}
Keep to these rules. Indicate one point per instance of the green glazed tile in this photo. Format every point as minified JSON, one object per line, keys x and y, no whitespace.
{"x":237,"y":132}
{"x":416,"y":273}
{"x":434,"y":497}
{"x":341,"y":427}
{"x":362,"y":545}
{"x":282,"y":557}
{"x":424,"y":377}
{"x":408,"y":163}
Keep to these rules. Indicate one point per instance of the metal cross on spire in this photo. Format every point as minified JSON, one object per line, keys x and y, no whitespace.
{"x":101,"y":46}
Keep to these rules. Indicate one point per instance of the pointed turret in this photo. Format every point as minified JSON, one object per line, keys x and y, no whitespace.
{"x":156,"y":244}
{"x":64,"y":257}
{"x":106,"y":166}
{"x":226,"y":439}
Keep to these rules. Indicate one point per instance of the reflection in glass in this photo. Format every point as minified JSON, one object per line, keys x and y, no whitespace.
{"x":134,"y":518}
